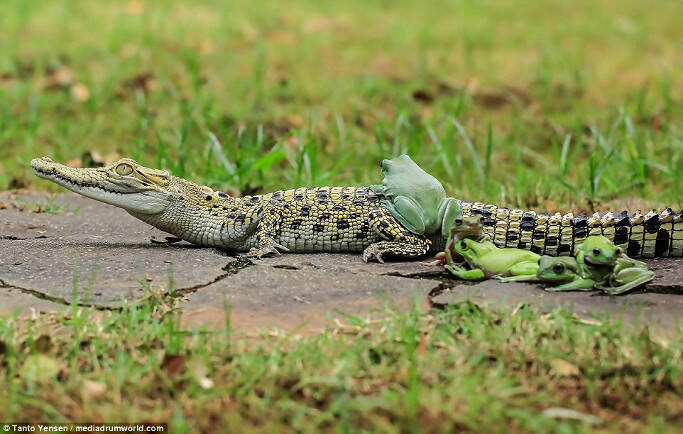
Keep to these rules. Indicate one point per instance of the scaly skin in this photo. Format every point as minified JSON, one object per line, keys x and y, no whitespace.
{"x":646,"y":236}
{"x":336,"y":219}
{"x":326,"y":219}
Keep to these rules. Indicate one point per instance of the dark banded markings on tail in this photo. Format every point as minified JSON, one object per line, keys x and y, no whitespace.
{"x":633,"y":248}
{"x":651,"y":225}
{"x":488,"y":221}
{"x":621,"y":235}
{"x":662,"y":245}
{"x":564,"y":248}
{"x":639,"y":235}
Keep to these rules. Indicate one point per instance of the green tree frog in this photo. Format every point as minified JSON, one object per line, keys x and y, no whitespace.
{"x":416,"y":198}
{"x":485,"y":259}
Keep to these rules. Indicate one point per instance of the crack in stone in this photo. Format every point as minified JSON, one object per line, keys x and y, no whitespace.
{"x":241,"y":262}
{"x":54,"y":299}
{"x":11,"y":238}
{"x":286,"y":267}
{"x":230,"y":269}
{"x":15,"y":238}
{"x":444,"y":279}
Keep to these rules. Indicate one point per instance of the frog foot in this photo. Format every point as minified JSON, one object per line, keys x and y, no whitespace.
{"x":461,"y":273}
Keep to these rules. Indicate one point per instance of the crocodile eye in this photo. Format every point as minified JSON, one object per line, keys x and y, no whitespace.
{"x":463,"y":244}
{"x":558,"y":268}
{"x":124,"y":169}
{"x":596,"y":251}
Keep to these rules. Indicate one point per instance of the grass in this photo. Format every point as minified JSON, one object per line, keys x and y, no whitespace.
{"x":553,"y":105}
{"x":515,"y":105}
{"x":462,"y":369}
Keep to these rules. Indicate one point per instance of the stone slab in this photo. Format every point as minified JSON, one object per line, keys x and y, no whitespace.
{"x":661,"y":311}
{"x":305,"y":290}
{"x":40,"y":253}
{"x":108,"y":251}
{"x":14,"y":301}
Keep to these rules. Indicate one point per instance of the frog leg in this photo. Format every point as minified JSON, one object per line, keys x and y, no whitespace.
{"x":407,"y":212}
{"x":461,"y":273}
{"x":642,"y":277}
{"x":449,"y":212}
{"x":524,"y":271}
{"x":376,"y":188}
{"x":576,"y":285}
{"x":519,"y":278}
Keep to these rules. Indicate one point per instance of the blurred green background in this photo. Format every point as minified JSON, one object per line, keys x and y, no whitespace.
{"x":555,"y":104}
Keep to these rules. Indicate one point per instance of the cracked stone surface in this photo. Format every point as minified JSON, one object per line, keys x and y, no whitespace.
{"x":38,"y":253}
{"x":305,"y":290}
{"x":99,"y":244}
{"x":14,"y":300}
{"x":113,"y":250}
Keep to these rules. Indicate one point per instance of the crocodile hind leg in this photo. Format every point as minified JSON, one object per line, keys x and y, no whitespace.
{"x":399,"y":241}
{"x":266,"y":230}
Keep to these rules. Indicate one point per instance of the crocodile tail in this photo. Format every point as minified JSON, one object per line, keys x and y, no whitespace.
{"x":656,"y":234}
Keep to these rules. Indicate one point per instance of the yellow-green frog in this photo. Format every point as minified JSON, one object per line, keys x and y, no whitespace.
{"x":486,"y":259}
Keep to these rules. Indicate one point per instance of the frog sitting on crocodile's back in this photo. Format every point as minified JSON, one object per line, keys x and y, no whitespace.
{"x":415,"y":198}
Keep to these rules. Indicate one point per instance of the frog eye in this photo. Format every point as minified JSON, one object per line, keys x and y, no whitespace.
{"x":558,"y":268}
{"x":596,"y":251}
{"x":458,"y":222}
{"x":124,"y":169}
{"x":463,"y":244}
{"x":618,"y":250}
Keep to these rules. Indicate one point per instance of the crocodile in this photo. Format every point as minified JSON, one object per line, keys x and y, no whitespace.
{"x":339,"y":219}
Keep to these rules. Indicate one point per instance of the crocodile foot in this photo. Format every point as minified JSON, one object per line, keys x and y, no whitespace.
{"x":266,"y":249}
{"x":374,"y":252}
{"x":395,"y":249}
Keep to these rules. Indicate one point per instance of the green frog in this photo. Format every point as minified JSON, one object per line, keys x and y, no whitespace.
{"x":598,"y":264}
{"x":485,"y":259}
{"x":416,"y":198}
{"x":565,"y":271}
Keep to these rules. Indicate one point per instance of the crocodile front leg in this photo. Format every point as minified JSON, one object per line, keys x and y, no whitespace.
{"x":399,"y":241}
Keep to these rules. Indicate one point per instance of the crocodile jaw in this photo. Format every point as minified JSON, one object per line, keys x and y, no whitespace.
{"x":98,"y":184}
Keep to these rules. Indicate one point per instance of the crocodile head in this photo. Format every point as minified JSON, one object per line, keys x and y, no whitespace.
{"x":125,"y":183}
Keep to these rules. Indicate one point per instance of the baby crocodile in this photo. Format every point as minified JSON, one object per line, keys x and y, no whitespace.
{"x":333,"y":219}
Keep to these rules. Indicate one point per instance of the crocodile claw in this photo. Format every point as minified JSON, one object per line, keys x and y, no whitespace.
{"x":373,"y":253}
{"x":267,"y":249}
